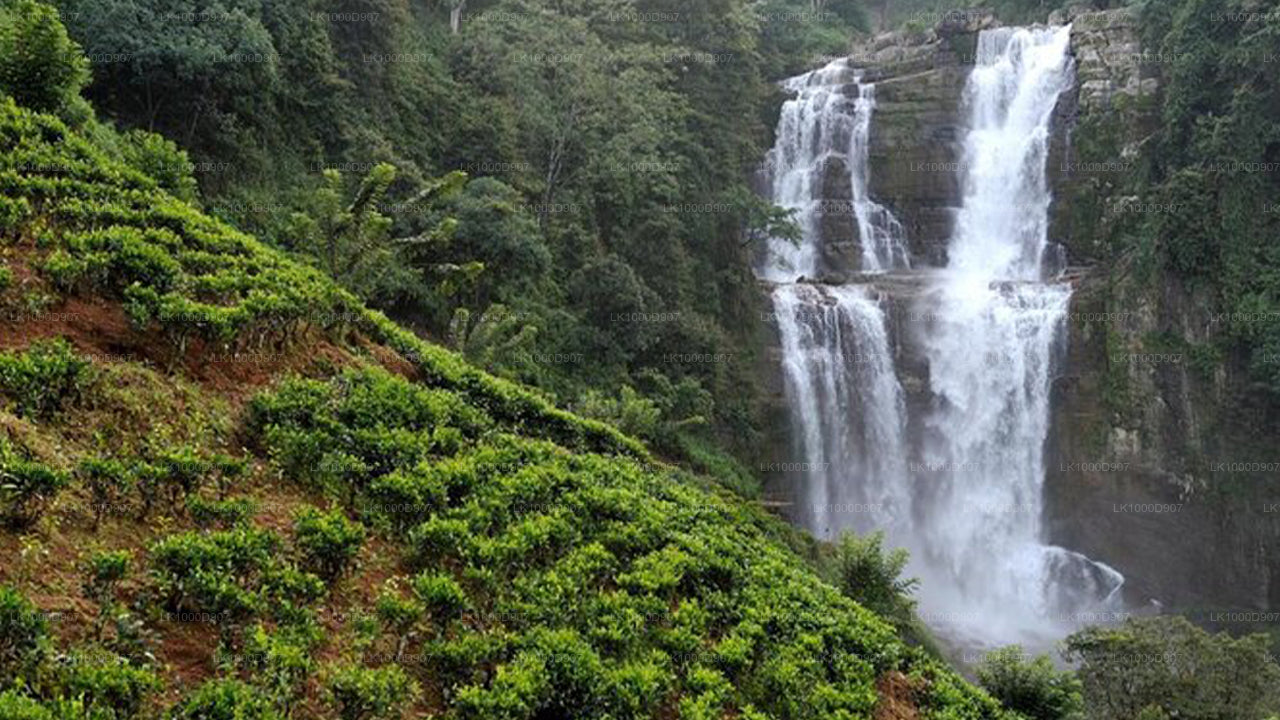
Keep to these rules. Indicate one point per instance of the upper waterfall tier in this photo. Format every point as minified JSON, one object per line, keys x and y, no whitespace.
{"x":1002,"y":228}
{"x":818,"y":169}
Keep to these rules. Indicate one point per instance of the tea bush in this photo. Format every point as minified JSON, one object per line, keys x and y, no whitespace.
{"x":44,"y":378}
{"x":577,"y":585}
{"x":26,"y":487}
{"x":104,"y":574}
{"x":110,"y":686}
{"x":361,"y":693}
{"x":328,"y":542}
{"x":280,"y":662}
{"x":441,"y":596}
{"x":226,"y":699}
{"x":24,"y":637}
{"x":109,"y":481}
{"x":232,"y":575}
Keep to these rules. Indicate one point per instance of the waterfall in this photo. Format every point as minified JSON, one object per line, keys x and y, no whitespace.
{"x":884,"y":245}
{"x":847,"y":405}
{"x":820,"y":127}
{"x":970,"y":509}
{"x":991,"y":353}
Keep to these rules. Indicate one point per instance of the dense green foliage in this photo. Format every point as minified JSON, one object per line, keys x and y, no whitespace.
{"x":534,"y":563}
{"x":590,"y":582}
{"x":1216,"y":163}
{"x":617,"y":140}
{"x":26,"y":487}
{"x":196,"y":280}
{"x":538,"y":564}
{"x":40,"y":66}
{"x":43,"y":378}
{"x":1167,"y":667}
{"x":1032,"y":687}
{"x":866,"y":573}
{"x":328,"y":542}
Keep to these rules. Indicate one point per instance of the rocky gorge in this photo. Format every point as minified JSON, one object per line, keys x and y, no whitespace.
{"x":1161,"y":458}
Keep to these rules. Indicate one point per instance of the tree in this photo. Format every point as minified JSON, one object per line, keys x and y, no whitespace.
{"x":185,"y":63}
{"x":559,"y":70}
{"x":606,"y":291}
{"x":40,"y":66}
{"x":1031,"y":687}
{"x":867,"y":574}
{"x":1171,"y":665}
{"x":352,"y":241}
{"x":492,"y":228}
{"x":494,"y":340}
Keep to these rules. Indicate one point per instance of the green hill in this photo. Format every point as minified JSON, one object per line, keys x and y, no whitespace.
{"x":177,"y":391}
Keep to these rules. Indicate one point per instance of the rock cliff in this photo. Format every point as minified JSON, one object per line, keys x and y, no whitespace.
{"x":1162,"y":458}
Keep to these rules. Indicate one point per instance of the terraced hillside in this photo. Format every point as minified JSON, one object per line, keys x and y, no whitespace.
{"x":231,"y":491}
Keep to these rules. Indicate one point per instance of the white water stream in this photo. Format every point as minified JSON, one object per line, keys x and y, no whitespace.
{"x":970,"y":506}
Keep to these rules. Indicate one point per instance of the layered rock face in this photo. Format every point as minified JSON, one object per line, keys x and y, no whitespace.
{"x":1164,"y":459}
{"x":915,"y":138}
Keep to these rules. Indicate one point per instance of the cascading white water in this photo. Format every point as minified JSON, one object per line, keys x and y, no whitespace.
{"x":846,"y":401}
{"x":884,"y":245}
{"x":990,"y":579}
{"x":848,"y":404}
{"x":970,"y":510}
{"x":821,"y":124}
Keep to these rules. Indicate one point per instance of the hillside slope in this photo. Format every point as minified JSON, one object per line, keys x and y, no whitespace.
{"x":180,"y":392}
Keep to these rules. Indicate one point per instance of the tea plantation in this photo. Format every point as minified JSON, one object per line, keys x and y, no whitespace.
{"x":232,"y":492}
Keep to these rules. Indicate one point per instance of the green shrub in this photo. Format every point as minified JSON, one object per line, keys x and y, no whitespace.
{"x":439,"y":538}
{"x":226,"y":700}
{"x":40,"y":66}
{"x":399,"y":617}
{"x":109,"y":481}
{"x":15,"y":706}
{"x":64,"y":271}
{"x":280,"y":662}
{"x":148,"y":479}
{"x":227,"y":470}
{"x":109,"y":685}
{"x":160,"y":158}
{"x":360,"y":693}
{"x":104,"y":573}
{"x":328,"y":542}
{"x":181,"y":471}
{"x":26,"y":487}
{"x":24,"y":636}
{"x":1165,"y":663}
{"x":441,"y":596}
{"x":222,"y":573}
{"x":288,"y":585}
{"x":402,"y":499}
{"x":13,"y":213}
{"x":557,"y":675}
{"x":44,"y":378}
{"x":1032,"y":687}
{"x":221,"y":514}
{"x":867,"y":574}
